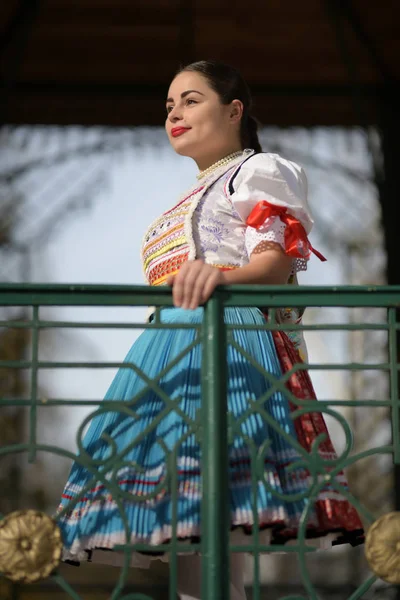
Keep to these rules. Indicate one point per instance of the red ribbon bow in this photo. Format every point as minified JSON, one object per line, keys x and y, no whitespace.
{"x":296,"y":241}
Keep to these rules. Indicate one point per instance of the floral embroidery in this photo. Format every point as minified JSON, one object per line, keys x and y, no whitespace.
{"x":213,"y":232}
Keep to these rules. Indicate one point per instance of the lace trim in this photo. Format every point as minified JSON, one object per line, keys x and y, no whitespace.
{"x":273,"y":230}
{"x":299,"y":264}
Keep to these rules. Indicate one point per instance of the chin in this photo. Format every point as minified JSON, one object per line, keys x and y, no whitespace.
{"x":183,"y":149}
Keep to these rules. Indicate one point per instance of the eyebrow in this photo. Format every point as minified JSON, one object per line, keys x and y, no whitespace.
{"x":184,"y":94}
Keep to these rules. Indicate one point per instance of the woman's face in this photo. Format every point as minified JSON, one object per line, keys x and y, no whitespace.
{"x":198,"y":124}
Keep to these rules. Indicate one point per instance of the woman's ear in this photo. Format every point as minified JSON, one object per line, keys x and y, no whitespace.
{"x":236,"y":111}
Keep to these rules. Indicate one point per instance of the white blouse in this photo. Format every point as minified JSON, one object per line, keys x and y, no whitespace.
{"x":219,"y":225}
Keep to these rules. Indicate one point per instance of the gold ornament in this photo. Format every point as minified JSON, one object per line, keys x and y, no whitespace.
{"x":30,"y":546}
{"x":382,"y":547}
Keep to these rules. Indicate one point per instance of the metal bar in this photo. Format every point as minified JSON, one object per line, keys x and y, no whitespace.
{"x":394,"y":385}
{"x":256,"y":522}
{"x":317,"y":327}
{"x":64,"y":585}
{"x":235,"y":295}
{"x":78,"y":288}
{"x":214,"y":519}
{"x":99,"y":325}
{"x":26,"y":364}
{"x":95,"y":402}
{"x":364,"y":587}
{"x":34,"y":387}
{"x":266,"y":327}
{"x":173,"y":544}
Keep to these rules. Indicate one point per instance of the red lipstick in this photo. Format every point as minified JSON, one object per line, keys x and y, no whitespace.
{"x":177,"y":131}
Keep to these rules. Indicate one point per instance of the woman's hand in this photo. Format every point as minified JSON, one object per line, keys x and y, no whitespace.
{"x":194,"y":283}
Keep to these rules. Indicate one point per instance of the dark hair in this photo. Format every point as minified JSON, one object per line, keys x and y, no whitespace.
{"x":228,"y":83}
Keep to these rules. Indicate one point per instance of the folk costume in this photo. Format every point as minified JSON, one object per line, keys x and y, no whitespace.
{"x":246,"y":200}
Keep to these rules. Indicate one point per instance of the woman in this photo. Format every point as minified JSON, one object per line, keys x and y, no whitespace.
{"x":245,"y":221}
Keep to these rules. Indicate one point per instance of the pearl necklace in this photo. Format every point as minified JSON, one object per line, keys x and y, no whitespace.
{"x":220,"y":163}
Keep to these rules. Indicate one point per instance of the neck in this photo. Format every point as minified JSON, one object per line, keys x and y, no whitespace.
{"x":205,"y":162}
{"x":219,"y":164}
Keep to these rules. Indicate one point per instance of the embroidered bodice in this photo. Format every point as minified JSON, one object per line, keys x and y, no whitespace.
{"x":166,"y":245}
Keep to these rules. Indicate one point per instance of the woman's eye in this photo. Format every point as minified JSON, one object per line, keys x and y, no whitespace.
{"x":189,"y":100}
{"x":169,"y":108}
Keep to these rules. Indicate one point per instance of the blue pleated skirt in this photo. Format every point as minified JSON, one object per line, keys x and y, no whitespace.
{"x":122,"y":488}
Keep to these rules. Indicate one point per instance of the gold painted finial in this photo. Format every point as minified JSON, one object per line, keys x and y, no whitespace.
{"x":382,"y":547}
{"x":30,"y":546}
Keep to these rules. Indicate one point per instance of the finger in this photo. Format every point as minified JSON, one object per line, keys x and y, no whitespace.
{"x":197,"y":289}
{"x":177,"y":291}
{"x":170,"y":279}
{"x":191,"y":278}
{"x":179,"y":281}
{"x":211,"y":283}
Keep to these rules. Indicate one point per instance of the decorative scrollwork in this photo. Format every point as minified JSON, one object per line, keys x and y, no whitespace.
{"x":30,"y":546}
{"x":382,"y":547}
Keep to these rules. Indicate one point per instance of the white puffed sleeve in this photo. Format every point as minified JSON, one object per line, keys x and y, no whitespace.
{"x":278,"y":181}
{"x":272,"y":178}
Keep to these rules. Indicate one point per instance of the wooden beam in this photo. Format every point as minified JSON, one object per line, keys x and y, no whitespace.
{"x":13,"y":45}
{"x":354,"y":19}
{"x":134,"y":105}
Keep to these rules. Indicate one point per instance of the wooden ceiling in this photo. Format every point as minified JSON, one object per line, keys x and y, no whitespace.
{"x":309,"y":62}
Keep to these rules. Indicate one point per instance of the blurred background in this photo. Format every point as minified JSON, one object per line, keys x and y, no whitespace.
{"x":85,"y":166}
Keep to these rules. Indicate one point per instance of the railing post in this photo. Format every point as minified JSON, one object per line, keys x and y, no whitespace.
{"x":215,"y":499}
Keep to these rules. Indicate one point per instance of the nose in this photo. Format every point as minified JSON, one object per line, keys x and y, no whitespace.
{"x":175,"y":115}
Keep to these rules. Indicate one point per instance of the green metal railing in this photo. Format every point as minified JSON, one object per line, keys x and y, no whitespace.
{"x":213,"y":423}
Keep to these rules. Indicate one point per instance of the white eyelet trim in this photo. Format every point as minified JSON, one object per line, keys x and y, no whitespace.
{"x":273,"y":230}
